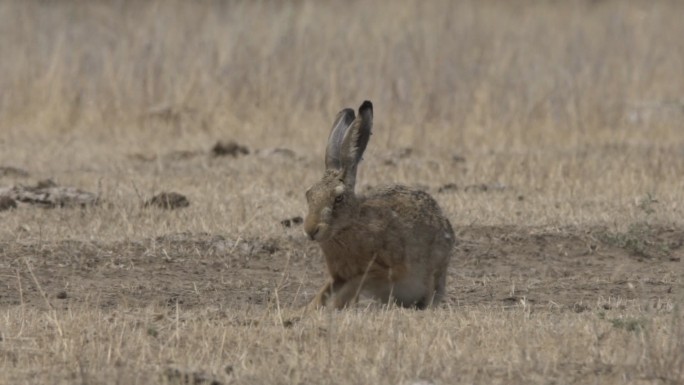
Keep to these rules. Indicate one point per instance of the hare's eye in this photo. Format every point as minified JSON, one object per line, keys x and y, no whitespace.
{"x":339,"y":198}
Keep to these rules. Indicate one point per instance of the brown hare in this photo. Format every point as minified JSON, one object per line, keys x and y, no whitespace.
{"x":393,"y":243}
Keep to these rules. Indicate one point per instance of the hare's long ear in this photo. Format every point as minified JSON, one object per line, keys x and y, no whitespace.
{"x":355,"y":141}
{"x":342,"y":122}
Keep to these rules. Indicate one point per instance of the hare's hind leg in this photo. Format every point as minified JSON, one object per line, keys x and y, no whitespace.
{"x":440,"y":287}
{"x":435,"y":288}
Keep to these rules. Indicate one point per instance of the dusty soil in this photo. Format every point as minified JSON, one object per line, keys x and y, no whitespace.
{"x":570,"y":268}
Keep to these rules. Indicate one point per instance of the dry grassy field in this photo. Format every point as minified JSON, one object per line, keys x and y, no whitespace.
{"x":550,"y":132}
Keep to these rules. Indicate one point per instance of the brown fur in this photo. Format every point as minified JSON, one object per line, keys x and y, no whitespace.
{"x":393,"y":244}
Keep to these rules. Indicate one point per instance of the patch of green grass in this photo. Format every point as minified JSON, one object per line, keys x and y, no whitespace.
{"x":152,"y":331}
{"x":629,"y":324}
{"x":639,"y":240}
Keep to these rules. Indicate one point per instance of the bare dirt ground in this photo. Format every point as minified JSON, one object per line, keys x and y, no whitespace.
{"x":570,"y":268}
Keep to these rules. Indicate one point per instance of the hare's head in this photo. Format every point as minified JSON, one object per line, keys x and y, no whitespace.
{"x":331,"y":200}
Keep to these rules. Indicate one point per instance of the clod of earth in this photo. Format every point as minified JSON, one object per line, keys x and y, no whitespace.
{"x":13,"y":172}
{"x":288,"y":323}
{"x":277,"y":151}
{"x":168,"y":201}
{"x":484,"y":187}
{"x":170,"y":113}
{"x":449,"y":187}
{"x":177,"y":155}
{"x":48,"y":194}
{"x":184,"y":376}
{"x":458,"y":158}
{"x":289,"y":222}
{"x":141,"y":157}
{"x":7,"y":203}
{"x":182,"y":155}
{"x":403,"y":153}
{"x":229,"y":148}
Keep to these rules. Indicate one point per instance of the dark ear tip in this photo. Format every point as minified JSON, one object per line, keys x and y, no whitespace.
{"x":366,"y":106}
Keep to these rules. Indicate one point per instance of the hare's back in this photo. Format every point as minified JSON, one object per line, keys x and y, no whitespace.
{"x":412,"y":207}
{"x":414,"y":230}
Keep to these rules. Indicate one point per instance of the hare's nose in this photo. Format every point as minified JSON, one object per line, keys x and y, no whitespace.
{"x":312,"y":232}
{"x":312,"y":226}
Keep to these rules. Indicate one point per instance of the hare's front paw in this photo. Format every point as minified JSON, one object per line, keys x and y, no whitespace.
{"x":322,"y":297}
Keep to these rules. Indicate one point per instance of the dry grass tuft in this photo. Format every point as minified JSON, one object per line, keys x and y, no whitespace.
{"x":395,"y":346}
